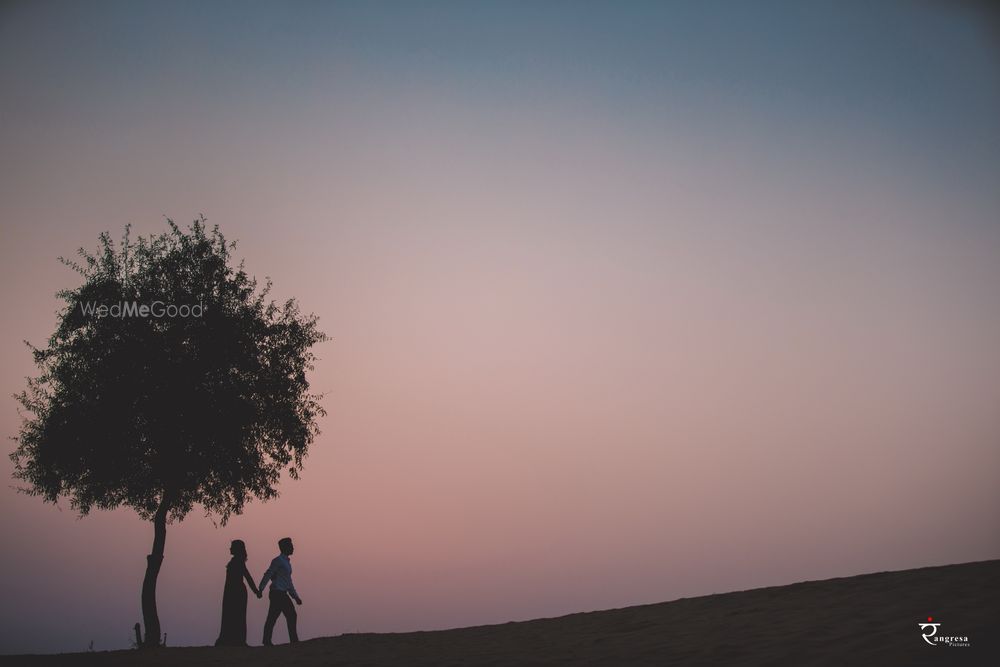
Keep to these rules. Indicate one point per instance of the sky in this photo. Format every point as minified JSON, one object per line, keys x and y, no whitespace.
{"x":628,"y":302}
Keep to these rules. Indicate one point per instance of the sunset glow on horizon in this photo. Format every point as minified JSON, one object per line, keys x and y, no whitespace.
{"x":626,"y":304}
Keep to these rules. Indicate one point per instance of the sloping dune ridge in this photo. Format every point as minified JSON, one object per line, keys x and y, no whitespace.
{"x":870,"y":619}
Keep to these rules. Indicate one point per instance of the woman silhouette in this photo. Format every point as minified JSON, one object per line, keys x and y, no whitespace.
{"x":234,"y":598}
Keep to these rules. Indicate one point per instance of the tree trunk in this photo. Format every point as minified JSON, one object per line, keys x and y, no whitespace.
{"x":153,"y":562}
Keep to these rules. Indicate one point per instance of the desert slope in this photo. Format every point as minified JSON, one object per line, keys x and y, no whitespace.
{"x":865,"y":620}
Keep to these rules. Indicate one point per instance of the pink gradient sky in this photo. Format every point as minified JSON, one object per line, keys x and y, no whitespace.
{"x":594,"y":345}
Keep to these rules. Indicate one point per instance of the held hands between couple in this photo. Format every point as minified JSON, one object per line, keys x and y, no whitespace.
{"x":260,"y":594}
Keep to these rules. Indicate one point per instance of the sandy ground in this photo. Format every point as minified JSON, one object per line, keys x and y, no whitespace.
{"x":856,"y":621}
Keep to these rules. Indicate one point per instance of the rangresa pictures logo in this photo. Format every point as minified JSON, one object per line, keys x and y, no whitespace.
{"x":930,"y":629}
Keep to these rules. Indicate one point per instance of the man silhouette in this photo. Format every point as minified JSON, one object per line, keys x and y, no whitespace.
{"x":281,"y":593}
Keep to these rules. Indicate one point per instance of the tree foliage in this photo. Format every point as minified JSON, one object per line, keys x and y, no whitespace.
{"x":160,"y":412}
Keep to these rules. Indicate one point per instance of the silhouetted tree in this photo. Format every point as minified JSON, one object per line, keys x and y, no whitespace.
{"x":161,"y":410}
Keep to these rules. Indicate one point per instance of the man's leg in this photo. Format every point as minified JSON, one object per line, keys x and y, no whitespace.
{"x":292,"y":617}
{"x":273,"y":610}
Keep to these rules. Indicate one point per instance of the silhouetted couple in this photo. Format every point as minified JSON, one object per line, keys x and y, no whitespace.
{"x":280,"y":595}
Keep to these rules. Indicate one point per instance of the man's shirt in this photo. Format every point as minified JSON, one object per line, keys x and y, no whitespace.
{"x":280,"y":575}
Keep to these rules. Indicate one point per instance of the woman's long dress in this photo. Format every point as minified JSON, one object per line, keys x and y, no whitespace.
{"x":234,"y":606}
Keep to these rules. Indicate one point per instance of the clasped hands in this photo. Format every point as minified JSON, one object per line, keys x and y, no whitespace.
{"x":260,"y":594}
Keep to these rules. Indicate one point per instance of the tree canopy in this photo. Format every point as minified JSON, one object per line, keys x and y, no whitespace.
{"x":204,"y":405}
